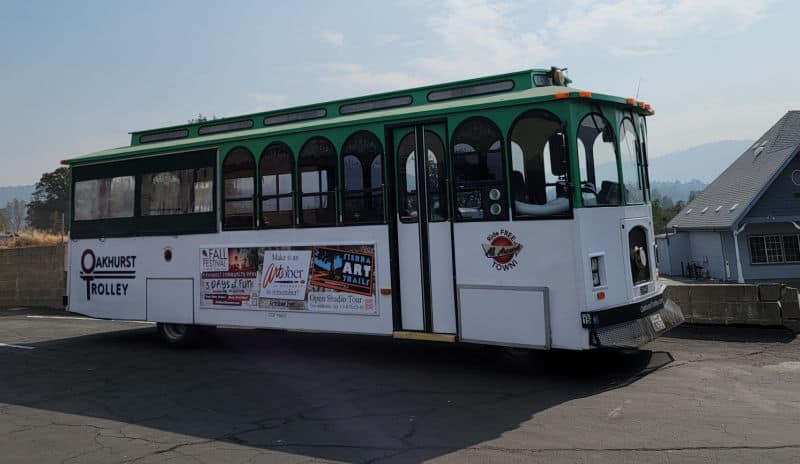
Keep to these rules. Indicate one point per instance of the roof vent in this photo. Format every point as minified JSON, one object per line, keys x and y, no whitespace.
{"x":718,"y":208}
{"x":704,"y":210}
{"x":757,"y":150}
{"x":735,"y":205}
{"x":689,"y":210}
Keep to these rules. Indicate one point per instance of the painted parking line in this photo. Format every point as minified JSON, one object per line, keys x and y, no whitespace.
{"x":21,"y":347}
{"x":63,"y":317}
{"x":77,"y":318}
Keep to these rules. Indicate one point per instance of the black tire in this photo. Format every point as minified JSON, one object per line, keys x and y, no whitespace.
{"x":183,"y":335}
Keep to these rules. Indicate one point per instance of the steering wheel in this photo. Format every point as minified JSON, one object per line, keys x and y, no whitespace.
{"x":588,"y":187}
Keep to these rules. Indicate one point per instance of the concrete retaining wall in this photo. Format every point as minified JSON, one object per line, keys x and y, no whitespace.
{"x":32,"y":277}
{"x":770,"y":304}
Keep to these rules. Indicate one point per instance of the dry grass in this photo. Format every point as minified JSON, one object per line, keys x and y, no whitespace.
{"x":34,"y":238}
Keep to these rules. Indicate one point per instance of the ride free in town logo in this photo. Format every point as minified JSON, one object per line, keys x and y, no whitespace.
{"x":502,"y":248}
{"x":106,"y":268}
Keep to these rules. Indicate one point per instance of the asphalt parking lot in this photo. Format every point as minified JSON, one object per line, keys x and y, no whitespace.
{"x":74,"y":390}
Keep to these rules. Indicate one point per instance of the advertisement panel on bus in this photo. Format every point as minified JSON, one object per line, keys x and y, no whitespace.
{"x":329,"y":279}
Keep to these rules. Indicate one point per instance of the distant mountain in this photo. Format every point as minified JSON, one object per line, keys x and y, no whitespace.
{"x":703,"y":162}
{"x":20,"y":192}
{"x":675,"y":191}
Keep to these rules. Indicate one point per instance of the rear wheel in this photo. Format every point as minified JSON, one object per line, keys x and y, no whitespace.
{"x":182,"y":335}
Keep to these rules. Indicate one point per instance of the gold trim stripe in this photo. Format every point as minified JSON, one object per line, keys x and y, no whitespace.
{"x":431,"y":337}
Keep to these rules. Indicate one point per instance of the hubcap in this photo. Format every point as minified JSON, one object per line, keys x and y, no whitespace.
{"x":174,"y":331}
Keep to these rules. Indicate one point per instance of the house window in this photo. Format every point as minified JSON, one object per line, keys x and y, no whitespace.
{"x":774,"y":246}
{"x":791,"y":248}
{"x":758,"y":254}
{"x":769,"y":249}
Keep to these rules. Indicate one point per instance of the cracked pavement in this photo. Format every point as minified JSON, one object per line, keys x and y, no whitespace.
{"x":108,"y":392}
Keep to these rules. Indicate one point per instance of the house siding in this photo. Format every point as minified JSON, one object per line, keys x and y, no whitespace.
{"x":706,"y":249}
{"x":778,"y":271}
{"x":780,"y":199}
{"x":675,"y":249}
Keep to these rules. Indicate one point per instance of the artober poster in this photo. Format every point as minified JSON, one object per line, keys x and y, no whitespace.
{"x":330,"y":278}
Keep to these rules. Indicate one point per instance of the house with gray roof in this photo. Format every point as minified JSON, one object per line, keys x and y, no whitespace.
{"x":745,"y":226}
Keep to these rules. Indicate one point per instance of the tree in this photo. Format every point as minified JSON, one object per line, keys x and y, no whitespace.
{"x":14,"y":213}
{"x":3,"y":220}
{"x":48,"y":205}
{"x":663,"y":214}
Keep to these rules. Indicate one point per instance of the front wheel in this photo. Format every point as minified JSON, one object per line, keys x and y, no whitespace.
{"x":182,"y":335}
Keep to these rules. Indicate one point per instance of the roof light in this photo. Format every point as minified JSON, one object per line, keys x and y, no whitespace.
{"x":585,"y":94}
{"x":641,"y":105}
{"x":558,"y":77}
{"x":631,"y":101}
{"x":561,"y":95}
{"x":64,"y":162}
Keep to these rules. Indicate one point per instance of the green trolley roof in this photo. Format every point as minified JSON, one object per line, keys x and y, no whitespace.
{"x":400,"y":105}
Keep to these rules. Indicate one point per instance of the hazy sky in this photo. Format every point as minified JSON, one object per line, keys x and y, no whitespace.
{"x":77,"y":76}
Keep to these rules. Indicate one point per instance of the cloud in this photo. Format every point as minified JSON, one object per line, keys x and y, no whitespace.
{"x":267,"y":101}
{"x":353,"y":77}
{"x":333,"y":38}
{"x":630,"y":21}
{"x":639,"y":51}
{"x":480,"y":37}
{"x":471,"y":38}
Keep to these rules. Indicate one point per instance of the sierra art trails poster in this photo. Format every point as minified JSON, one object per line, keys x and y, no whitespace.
{"x":330,"y":278}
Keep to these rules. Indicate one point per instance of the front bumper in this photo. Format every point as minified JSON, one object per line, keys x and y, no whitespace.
{"x":632,"y":325}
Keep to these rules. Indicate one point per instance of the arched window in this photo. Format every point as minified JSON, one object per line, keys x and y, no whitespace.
{"x":363,"y":178}
{"x":238,"y":174}
{"x":629,"y":152}
{"x":277,"y":186}
{"x":317,"y":166}
{"x":479,"y":171}
{"x":598,"y":162}
{"x":539,"y":166}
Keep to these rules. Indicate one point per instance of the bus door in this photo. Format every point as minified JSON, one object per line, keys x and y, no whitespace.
{"x":424,"y":233}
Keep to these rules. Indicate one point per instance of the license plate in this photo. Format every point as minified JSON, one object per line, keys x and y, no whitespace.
{"x":657,"y":322}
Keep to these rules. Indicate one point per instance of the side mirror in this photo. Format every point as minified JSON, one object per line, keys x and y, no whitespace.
{"x":558,"y":154}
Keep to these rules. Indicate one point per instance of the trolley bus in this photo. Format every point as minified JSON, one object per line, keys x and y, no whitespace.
{"x":508,"y":210}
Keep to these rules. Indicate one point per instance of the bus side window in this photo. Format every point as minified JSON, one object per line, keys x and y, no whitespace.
{"x":480,"y":186}
{"x":317,"y":166}
{"x":107,"y":198}
{"x":238,"y":174}
{"x":632,"y":174}
{"x":362,"y":170}
{"x":539,"y":174}
{"x":599,"y":169}
{"x":185,"y":191}
{"x":277,"y":186}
